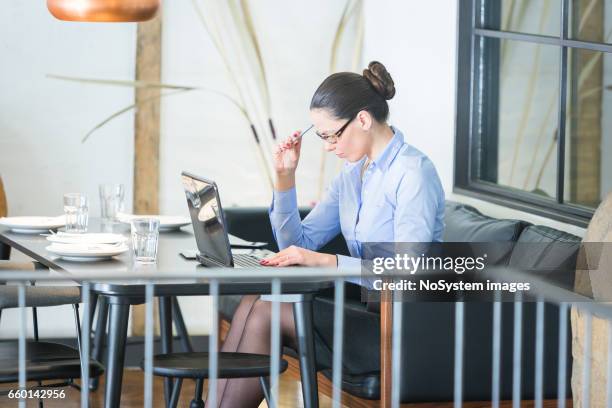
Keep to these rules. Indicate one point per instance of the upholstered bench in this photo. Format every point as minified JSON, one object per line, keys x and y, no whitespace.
{"x":428,"y":328}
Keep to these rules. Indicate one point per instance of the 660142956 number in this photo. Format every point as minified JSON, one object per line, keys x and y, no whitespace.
{"x":38,"y":394}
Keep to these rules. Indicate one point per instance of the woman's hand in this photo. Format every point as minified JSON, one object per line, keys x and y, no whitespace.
{"x":287,"y":155}
{"x":294,"y":255}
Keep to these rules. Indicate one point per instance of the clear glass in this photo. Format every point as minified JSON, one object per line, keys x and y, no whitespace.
{"x":542,"y":17}
{"x":112,"y":198}
{"x":516,"y":126}
{"x":76,"y":210}
{"x":588,"y":135}
{"x":145,"y":238}
{"x":591,"y":20}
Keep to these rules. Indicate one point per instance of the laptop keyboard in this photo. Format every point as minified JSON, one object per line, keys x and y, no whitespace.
{"x":247,"y":261}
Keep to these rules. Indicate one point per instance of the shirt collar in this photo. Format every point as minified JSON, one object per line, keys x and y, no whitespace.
{"x":383,"y":161}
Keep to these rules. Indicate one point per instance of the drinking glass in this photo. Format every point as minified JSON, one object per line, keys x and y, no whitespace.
{"x":145,"y":237}
{"x":76,"y":211}
{"x":111,"y":200}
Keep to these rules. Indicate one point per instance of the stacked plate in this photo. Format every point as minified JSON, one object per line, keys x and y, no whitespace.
{"x":166,"y":222}
{"x":32,"y":225}
{"x":87,"y":247}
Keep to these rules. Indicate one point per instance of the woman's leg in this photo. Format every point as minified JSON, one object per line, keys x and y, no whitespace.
{"x":246,"y":392}
{"x":232,"y":339}
{"x":241,"y":315}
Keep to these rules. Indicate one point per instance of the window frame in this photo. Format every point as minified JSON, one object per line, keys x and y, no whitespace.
{"x":468,"y":33}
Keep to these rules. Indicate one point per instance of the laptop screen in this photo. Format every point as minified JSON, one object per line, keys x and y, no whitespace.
{"x":207,"y":218}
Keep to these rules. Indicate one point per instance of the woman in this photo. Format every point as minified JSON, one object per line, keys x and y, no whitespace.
{"x":388,"y":191}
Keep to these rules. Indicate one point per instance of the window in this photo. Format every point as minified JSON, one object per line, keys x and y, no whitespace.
{"x":534,"y":105}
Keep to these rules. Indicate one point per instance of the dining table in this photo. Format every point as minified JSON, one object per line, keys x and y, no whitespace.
{"x":121,"y":294}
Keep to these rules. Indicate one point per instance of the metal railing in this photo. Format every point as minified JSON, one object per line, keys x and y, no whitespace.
{"x":544,"y":292}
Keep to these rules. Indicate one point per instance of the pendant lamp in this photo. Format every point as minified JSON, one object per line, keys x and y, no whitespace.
{"x":103,"y":10}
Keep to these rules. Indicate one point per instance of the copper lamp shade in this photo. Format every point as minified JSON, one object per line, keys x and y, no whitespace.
{"x":103,"y":10}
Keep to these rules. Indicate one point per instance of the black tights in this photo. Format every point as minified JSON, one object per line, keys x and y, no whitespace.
{"x":250,"y":333}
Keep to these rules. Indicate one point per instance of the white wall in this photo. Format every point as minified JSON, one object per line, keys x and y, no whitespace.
{"x":416,"y":42}
{"x":43,"y":120}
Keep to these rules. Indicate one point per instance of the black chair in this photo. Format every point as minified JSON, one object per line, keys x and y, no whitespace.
{"x":45,"y":361}
{"x":195,"y":366}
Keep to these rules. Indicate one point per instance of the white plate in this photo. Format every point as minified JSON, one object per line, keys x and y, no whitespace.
{"x":85,"y":252}
{"x":166,"y":222}
{"x":32,"y":225}
{"x":86,"y":238}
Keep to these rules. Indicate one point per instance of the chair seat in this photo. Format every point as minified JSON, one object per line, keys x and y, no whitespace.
{"x":6,"y":265}
{"x":39,"y":296}
{"x":195,"y":365}
{"x":44,"y":361}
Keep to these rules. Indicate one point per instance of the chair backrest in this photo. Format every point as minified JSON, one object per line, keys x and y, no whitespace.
{"x":5,"y":250}
{"x":3,"y":205}
{"x":428,"y":328}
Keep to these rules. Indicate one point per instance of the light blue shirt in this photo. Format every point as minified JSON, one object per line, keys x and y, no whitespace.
{"x":399,"y":199}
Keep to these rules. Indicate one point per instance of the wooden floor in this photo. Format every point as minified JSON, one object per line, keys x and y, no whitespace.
{"x":132,"y":397}
{"x":290,"y":396}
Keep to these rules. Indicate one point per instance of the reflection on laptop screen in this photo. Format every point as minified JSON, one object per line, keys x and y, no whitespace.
{"x":207,"y":218}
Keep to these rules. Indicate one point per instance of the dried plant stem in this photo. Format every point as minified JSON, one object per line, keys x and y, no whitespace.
{"x":213,"y":31}
{"x":254,"y":41}
{"x":127,"y":109}
{"x":526,"y":111}
{"x":549,"y":152}
{"x":220,"y":49}
{"x":358,"y":50}
{"x":538,"y":143}
{"x":529,"y":96}
{"x":262,"y":123}
{"x":506,"y":49}
{"x":351,"y":8}
{"x":587,"y":13}
{"x":148,"y":84}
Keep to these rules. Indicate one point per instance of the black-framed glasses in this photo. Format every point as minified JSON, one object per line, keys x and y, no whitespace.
{"x":333,"y":138}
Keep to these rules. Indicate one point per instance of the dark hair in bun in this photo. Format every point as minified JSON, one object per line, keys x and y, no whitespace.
{"x":380,"y":79}
{"x":344,"y":94}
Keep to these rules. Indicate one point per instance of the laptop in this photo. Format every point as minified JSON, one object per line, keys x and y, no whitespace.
{"x":209,"y":225}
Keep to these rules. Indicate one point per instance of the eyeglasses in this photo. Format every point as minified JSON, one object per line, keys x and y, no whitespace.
{"x":333,"y":138}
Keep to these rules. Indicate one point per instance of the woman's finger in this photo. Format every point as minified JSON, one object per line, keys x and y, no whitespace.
{"x":287,"y":261}
{"x":274,"y":258}
{"x":274,"y":262}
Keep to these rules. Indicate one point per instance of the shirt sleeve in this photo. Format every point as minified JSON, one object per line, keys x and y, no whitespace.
{"x":418,"y":196}
{"x":320,"y":226}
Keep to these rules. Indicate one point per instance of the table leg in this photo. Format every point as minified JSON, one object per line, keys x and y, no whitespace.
{"x":93,"y":302}
{"x":165,"y":328}
{"x":302,"y":312}
{"x":99,"y":336}
{"x":117,"y":334}
{"x":181,"y":329}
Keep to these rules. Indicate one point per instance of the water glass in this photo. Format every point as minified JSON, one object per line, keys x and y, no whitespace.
{"x":145,"y":237}
{"x":76,"y":211}
{"x":111,"y":200}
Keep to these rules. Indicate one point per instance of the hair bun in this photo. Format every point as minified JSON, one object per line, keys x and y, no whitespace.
{"x":381,"y":80}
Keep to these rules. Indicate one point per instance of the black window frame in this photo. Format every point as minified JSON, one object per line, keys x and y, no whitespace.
{"x":468,"y":33}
